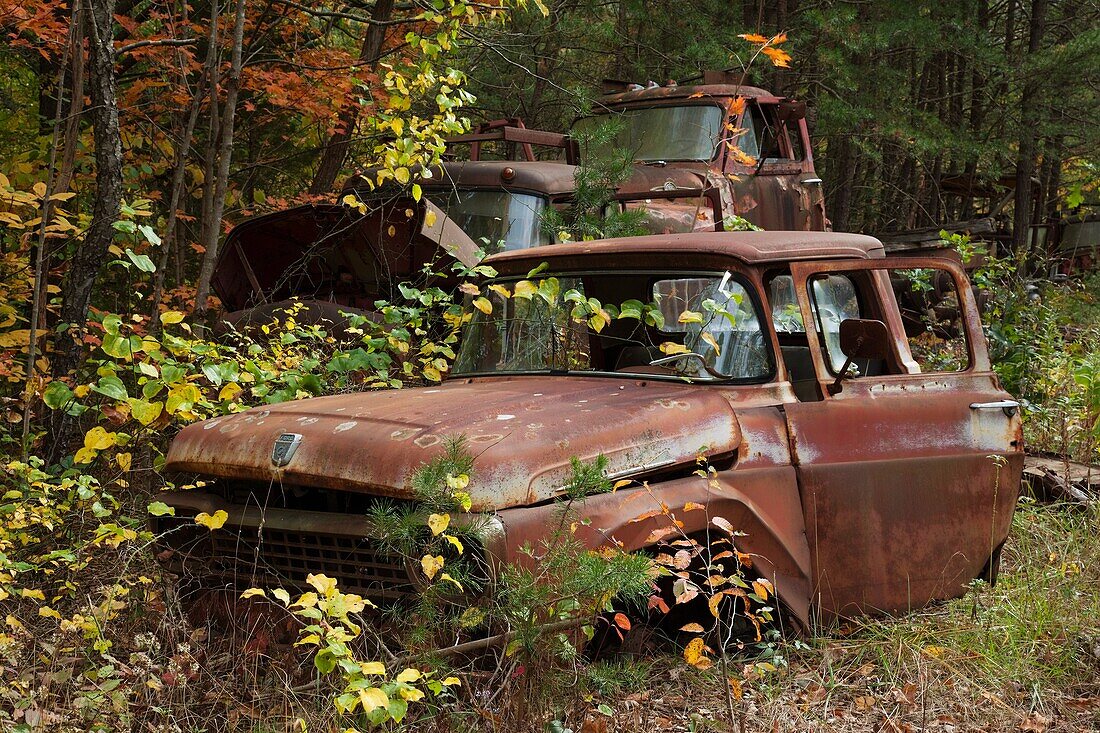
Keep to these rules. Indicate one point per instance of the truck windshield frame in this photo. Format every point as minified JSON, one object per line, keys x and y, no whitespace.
{"x":662,"y":133}
{"x":574,"y":324}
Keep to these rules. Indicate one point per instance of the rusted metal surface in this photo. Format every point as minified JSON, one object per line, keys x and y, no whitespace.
{"x":672,"y":250}
{"x":330,"y":255}
{"x":524,"y":431}
{"x":547,"y":178}
{"x":780,"y":192}
{"x":892,"y":492}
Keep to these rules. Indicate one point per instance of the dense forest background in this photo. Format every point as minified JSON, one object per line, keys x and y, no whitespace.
{"x":215,"y":111}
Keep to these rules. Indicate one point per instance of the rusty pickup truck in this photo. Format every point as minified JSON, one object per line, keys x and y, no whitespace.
{"x":868,"y":468}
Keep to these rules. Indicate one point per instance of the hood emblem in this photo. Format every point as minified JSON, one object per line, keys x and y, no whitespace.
{"x":285,"y":447}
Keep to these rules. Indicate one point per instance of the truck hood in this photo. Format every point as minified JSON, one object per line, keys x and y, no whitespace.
{"x":522,"y":431}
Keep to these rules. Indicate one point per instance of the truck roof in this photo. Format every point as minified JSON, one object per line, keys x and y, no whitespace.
{"x":695,"y":91}
{"x":550,"y":177}
{"x":750,"y":247}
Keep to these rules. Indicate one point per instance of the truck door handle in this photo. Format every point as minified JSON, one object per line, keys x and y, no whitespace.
{"x":1009,"y":407}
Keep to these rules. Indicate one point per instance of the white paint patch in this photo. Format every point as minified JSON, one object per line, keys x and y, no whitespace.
{"x":506,"y":417}
{"x":344,"y":426}
{"x":307,"y":420}
{"x":211,"y":424}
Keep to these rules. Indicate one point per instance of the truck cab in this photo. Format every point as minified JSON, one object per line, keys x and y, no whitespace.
{"x":865,"y":470}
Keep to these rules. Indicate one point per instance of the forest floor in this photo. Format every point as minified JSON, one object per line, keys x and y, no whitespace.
{"x":1023,"y":655}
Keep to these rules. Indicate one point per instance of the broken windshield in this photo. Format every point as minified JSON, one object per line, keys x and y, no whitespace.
{"x":495,"y":220}
{"x":670,"y":133}
{"x":632,"y":322}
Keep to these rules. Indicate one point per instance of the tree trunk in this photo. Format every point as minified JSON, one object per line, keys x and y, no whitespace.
{"x":76,"y":103}
{"x":91,"y":253}
{"x":225,"y":156}
{"x":1025,"y":158}
{"x":336,"y":151}
{"x":183,"y":149}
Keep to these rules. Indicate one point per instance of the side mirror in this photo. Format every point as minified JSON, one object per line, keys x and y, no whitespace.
{"x":861,"y":339}
{"x":791,"y":111}
{"x":864,"y":339}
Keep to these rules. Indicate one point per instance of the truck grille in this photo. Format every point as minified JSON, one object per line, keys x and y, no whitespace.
{"x":247,"y":556}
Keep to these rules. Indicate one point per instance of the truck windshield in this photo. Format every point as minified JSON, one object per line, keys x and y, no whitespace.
{"x":618,"y":322}
{"x":687,"y":132}
{"x":495,"y":220}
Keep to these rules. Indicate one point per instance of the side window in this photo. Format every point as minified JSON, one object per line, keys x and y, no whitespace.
{"x":764,"y":135}
{"x":933,"y":319}
{"x":834,"y":300}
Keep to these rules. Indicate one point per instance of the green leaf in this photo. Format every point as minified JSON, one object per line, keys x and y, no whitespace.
{"x":605,"y":709}
{"x":57,"y":394}
{"x":116,"y":346}
{"x":145,"y":412}
{"x":397,"y":709}
{"x":111,"y":387}
{"x":160,"y":509}
{"x":111,"y":322}
{"x":151,"y":237}
{"x":142,"y":262}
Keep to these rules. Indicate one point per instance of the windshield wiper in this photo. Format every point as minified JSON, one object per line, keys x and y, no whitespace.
{"x":667,"y":360}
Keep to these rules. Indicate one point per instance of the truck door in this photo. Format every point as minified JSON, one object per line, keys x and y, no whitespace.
{"x":909,"y":473}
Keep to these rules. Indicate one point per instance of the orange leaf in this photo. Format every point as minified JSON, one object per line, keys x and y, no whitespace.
{"x":622,"y":621}
{"x":659,"y":534}
{"x":778,"y":56}
{"x":692,"y":506}
{"x":781,"y":38}
{"x":753,"y":37}
{"x":737,"y":105}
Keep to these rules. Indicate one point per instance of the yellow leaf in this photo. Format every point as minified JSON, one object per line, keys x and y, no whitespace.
{"x":229,"y":392}
{"x":483,"y":305}
{"x":706,"y":336}
{"x":372,"y":698}
{"x":438,"y":523}
{"x":456,"y":483}
{"x":212,"y":522}
{"x":431,"y":565}
{"x":306,"y":600}
{"x":408,"y":675}
{"x":372,"y":668}
{"x":411,"y":694}
{"x":449,"y":579}
{"x":694,"y":653}
{"x":251,"y":592}
{"x":760,"y":589}
{"x":690,"y":316}
{"x":84,"y":455}
{"x":98,"y":439}
{"x":170,"y":317}
{"x":501,"y":290}
{"x":429,"y":218}
{"x":47,"y":612}
{"x":124,"y":460}
{"x":402,"y":175}
{"x":671,"y":347}
{"x":525,"y":289}
{"x":325,"y":585}
{"x":451,"y":681}
{"x":454,"y":541}
{"x":692,"y":628}
{"x":621,"y":483}
{"x":33,"y":593}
